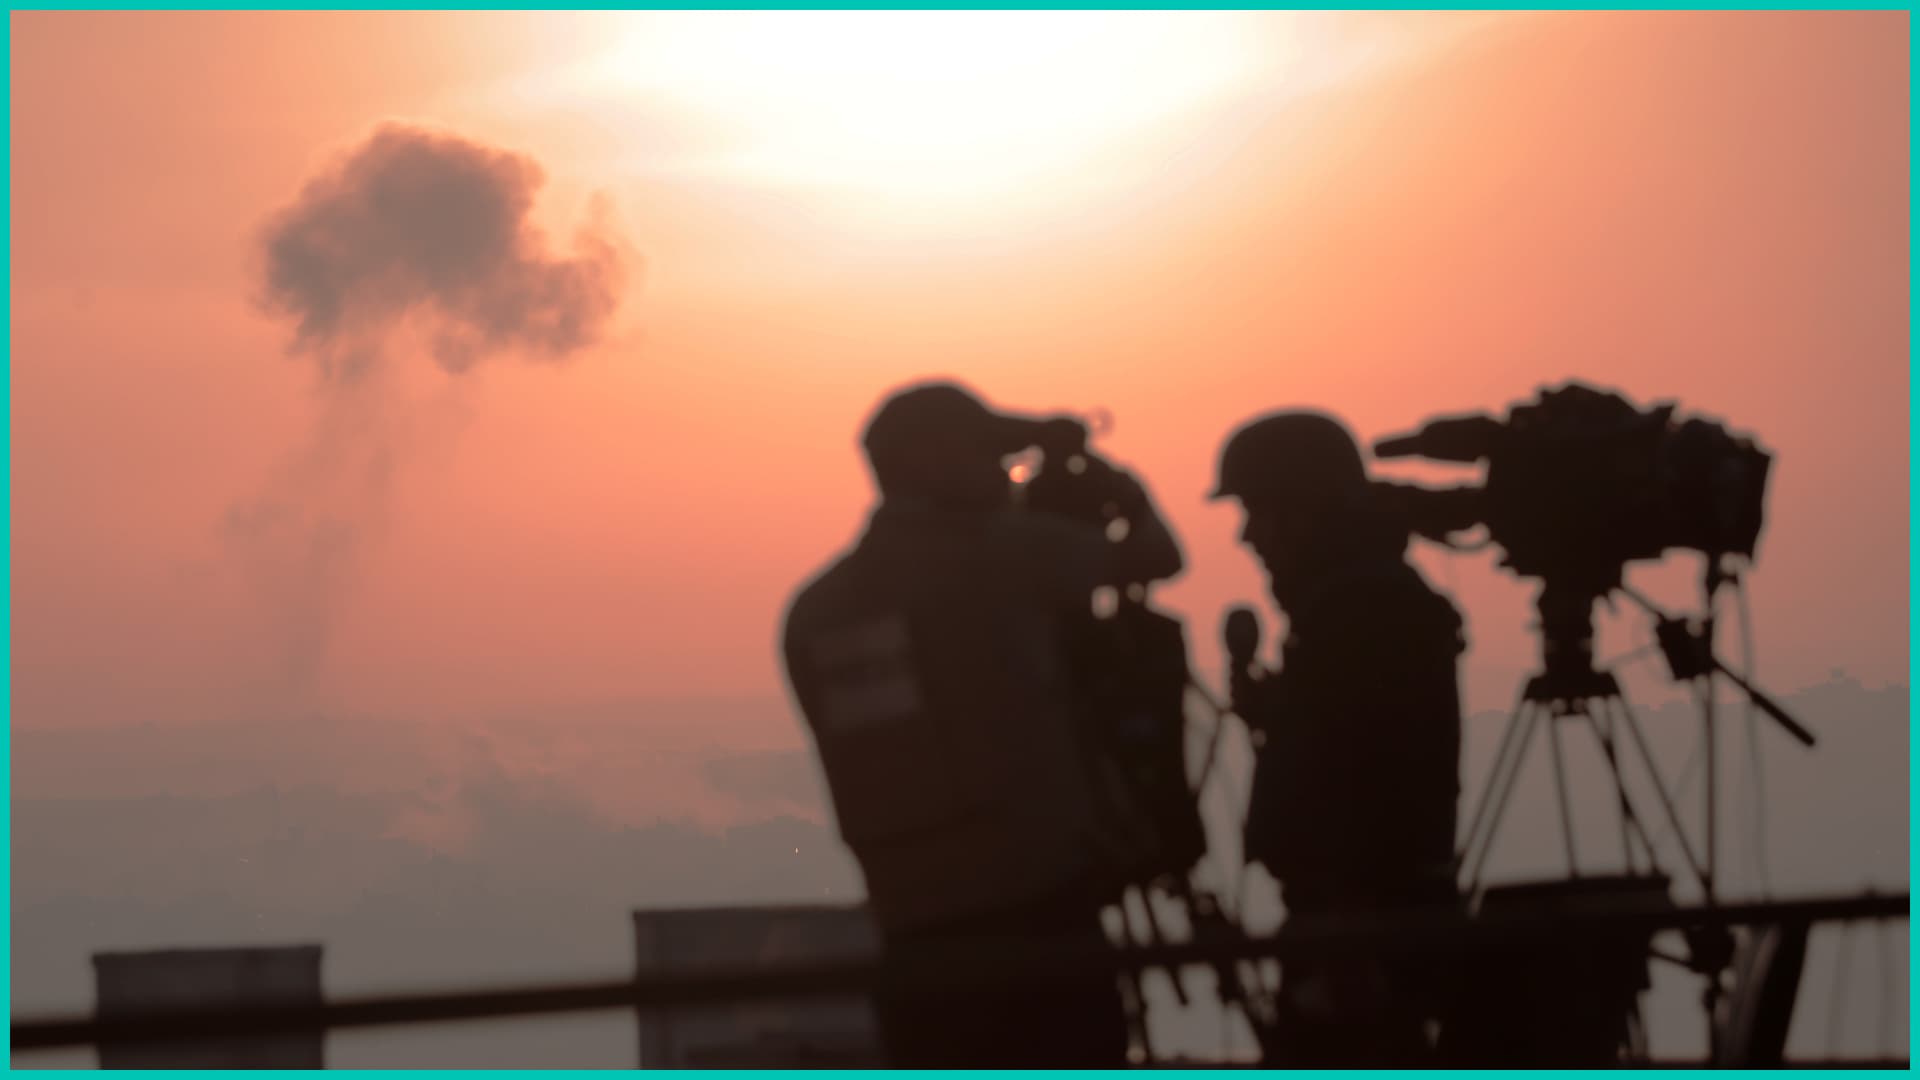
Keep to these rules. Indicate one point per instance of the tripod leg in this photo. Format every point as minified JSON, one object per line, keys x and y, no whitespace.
{"x":1501,"y":789}
{"x":1133,"y":1000}
{"x":1566,"y":799}
{"x":1508,"y":739}
{"x":1630,"y":827}
{"x":1659,"y":786}
{"x":1235,"y":988}
{"x":1713,"y":797}
{"x":1133,"y":983}
{"x":1155,"y":937}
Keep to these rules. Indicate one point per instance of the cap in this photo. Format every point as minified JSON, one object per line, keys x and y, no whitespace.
{"x":931,"y":429}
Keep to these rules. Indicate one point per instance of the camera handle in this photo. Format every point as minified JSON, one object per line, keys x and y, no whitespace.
{"x":1689,"y":654}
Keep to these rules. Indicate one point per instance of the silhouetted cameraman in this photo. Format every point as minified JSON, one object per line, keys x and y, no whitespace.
{"x":1354,"y":801}
{"x":930,"y":665}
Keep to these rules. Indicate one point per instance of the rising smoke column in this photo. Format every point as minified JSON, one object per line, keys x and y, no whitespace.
{"x":415,"y":242}
{"x":420,"y":225}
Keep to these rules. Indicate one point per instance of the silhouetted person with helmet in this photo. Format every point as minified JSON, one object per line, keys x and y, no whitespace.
{"x":1355,"y":792}
{"x":929,"y":664}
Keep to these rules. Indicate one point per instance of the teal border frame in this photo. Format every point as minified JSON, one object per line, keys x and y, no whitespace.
{"x":6,"y":514}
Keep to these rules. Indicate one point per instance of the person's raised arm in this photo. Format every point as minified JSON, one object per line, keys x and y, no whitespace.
{"x":1149,"y":551}
{"x":1068,"y":553}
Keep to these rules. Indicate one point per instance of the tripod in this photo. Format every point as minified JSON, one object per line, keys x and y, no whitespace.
{"x":1572,"y":689}
{"x":1237,"y":983}
{"x":1548,"y":702}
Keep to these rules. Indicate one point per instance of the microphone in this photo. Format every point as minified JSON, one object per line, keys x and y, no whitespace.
{"x":1241,"y":631}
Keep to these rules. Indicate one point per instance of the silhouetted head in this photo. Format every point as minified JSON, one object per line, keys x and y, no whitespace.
{"x":1303,"y":486}
{"x":938,"y":441}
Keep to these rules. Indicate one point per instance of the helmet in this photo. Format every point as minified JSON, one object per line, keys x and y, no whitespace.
{"x":1294,"y":456}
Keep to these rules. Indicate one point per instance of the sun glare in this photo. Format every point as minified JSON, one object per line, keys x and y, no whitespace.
{"x":935,"y":104}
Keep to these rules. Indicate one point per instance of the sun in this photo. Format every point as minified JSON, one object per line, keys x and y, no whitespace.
{"x":922,"y":105}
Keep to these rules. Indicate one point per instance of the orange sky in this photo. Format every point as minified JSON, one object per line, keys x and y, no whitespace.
{"x":1711,"y":208}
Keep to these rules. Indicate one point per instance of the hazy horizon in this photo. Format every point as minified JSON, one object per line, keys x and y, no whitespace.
{"x":434,"y":870}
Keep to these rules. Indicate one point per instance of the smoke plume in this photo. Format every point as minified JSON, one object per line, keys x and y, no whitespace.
{"x":414,"y":242}
{"x":421,"y":225}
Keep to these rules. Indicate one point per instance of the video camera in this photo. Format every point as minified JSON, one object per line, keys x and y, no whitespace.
{"x":1130,"y":664}
{"x":1132,"y":677}
{"x":1581,"y":482}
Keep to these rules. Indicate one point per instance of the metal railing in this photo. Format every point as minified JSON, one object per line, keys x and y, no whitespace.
{"x":964,"y":963}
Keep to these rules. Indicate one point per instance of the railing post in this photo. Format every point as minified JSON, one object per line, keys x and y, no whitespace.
{"x":821,"y":1031}
{"x":145,"y":983}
